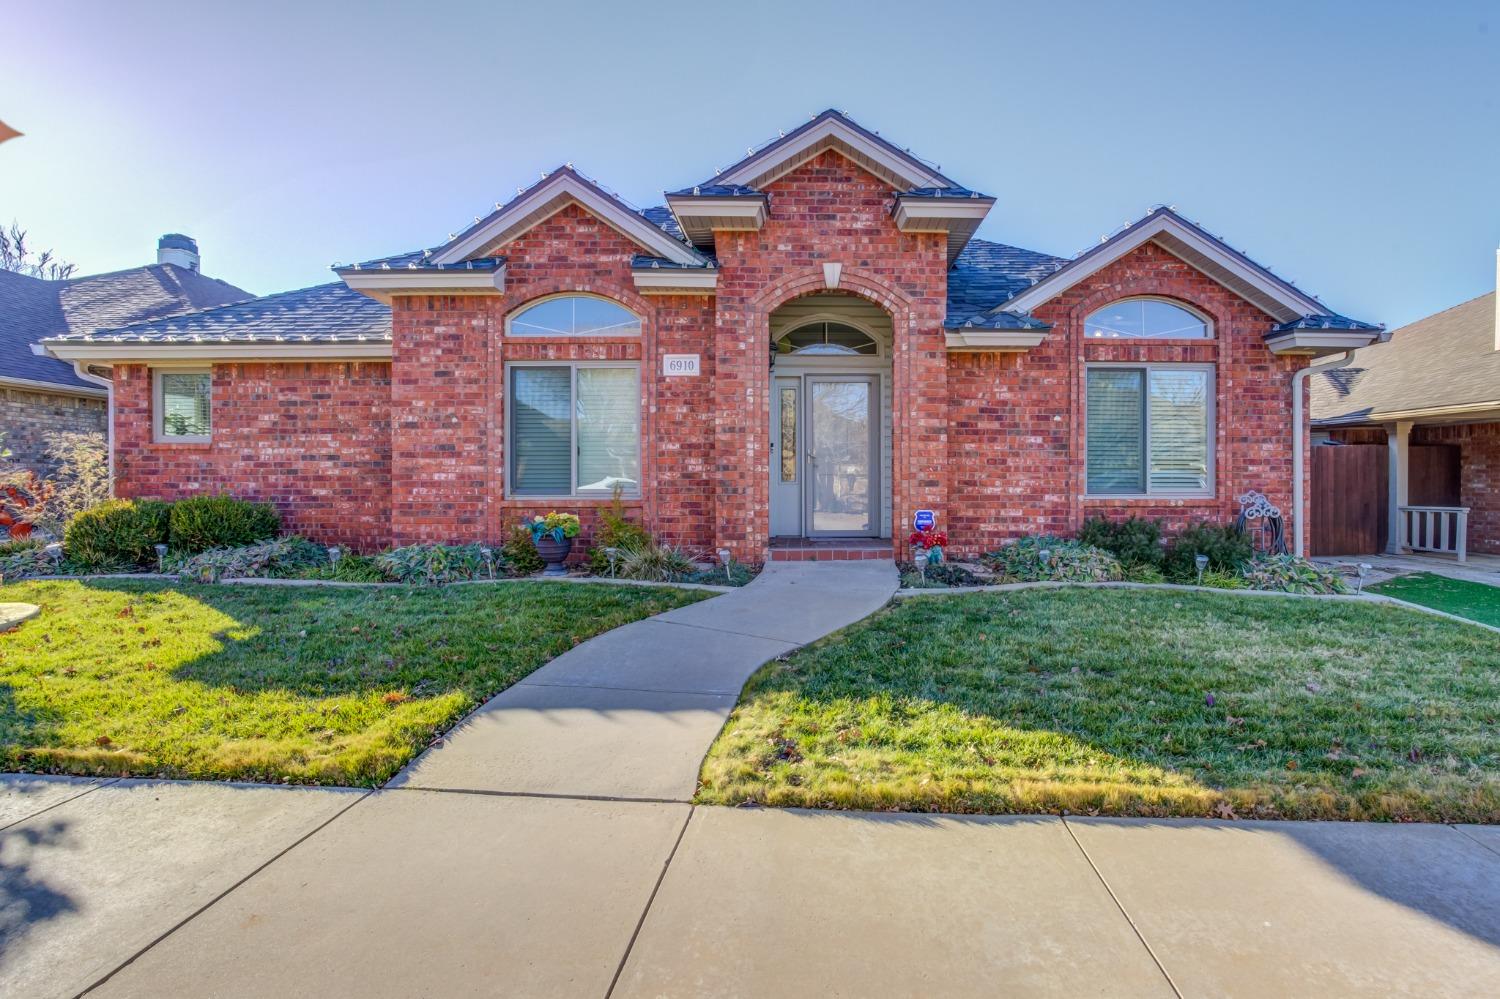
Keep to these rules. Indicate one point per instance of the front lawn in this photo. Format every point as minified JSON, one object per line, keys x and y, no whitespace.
{"x":1127,"y":702}
{"x":1475,"y":601}
{"x":312,"y":684}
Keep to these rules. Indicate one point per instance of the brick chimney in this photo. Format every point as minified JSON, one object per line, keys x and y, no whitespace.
{"x":175,"y":248}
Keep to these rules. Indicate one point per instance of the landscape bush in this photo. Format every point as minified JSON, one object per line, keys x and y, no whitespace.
{"x":615,"y":530}
{"x":1290,"y":574}
{"x":350,"y":568}
{"x":941,"y":576}
{"x":655,"y":563}
{"x":1227,"y":549}
{"x":203,"y":522}
{"x":1134,"y":541}
{"x":116,"y":536}
{"x":24,"y":558}
{"x":519,"y":555}
{"x":434,"y":564}
{"x":1067,"y":561}
{"x":278,"y":558}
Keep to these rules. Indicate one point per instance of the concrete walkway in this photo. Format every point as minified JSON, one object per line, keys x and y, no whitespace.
{"x":547,"y":849}
{"x":631,"y":713}
{"x":1478,"y":568}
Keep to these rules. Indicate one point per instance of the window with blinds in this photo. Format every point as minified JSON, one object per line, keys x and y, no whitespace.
{"x":574,"y":429}
{"x":183,"y":405}
{"x":1148,"y":430}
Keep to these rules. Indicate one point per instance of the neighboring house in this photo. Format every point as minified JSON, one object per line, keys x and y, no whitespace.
{"x":1430,"y":399}
{"x":810,"y":344}
{"x":39,"y":394}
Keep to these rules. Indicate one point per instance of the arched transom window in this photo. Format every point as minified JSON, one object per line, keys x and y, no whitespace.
{"x":827,"y":338}
{"x":1146,"y":318}
{"x":575,"y":315}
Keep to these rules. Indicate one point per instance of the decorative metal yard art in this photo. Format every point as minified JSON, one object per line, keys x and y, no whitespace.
{"x":1262,"y":520}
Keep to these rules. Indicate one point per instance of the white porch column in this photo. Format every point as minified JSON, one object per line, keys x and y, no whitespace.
{"x":1397,"y":439}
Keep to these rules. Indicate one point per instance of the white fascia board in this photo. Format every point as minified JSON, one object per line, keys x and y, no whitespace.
{"x":562,"y":186}
{"x":676,"y":281}
{"x":1060,"y":281}
{"x":764,"y":164}
{"x":1001,"y":341}
{"x":940,"y":214}
{"x":1320,"y":342}
{"x":383,"y":285}
{"x":110,"y":352}
{"x":32,"y":384}
{"x":750,"y":209}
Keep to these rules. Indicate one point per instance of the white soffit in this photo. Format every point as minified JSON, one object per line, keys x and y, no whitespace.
{"x":958,"y":218}
{"x":384,"y":285}
{"x":998,"y":341}
{"x":699,"y":216}
{"x":870,"y":153}
{"x":675,"y":281}
{"x":547,"y":198}
{"x":1195,"y":248}
{"x":1317,"y":343}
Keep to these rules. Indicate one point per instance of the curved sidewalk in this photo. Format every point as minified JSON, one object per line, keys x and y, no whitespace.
{"x":631,"y":713}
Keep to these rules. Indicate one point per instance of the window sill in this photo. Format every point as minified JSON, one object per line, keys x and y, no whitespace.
{"x":1149,"y":498}
{"x":182,"y":442}
{"x":581,"y":498}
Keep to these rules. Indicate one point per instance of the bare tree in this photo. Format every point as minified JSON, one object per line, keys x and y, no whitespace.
{"x":16,"y":256}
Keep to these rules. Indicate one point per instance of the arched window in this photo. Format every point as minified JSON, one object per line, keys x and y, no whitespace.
{"x":1146,"y":318}
{"x":827,"y":338}
{"x":575,"y":315}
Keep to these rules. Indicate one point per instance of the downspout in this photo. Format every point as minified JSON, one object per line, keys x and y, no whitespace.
{"x":80,"y":368}
{"x":1299,"y":472}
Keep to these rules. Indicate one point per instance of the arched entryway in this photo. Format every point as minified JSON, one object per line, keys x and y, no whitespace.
{"x":830,"y":418}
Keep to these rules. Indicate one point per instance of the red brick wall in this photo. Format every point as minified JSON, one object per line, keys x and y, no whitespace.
{"x":827,"y":211}
{"x":1479,"y":477}
{"x":1017,"y":421}
{"x":314,"y":439}
{"x":448,"y":393}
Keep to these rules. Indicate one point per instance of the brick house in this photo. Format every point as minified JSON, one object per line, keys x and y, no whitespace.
{"x":1421,"y":415}
{"x":811,"y":345}
{"x":41,"y":395}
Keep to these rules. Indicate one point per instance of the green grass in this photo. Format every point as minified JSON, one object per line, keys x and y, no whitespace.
{"x":1098,"y":702}
{"x":1475,"y":601}
{"x":307,"y":684}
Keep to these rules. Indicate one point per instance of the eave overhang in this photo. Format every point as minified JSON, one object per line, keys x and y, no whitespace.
{"x":188,"y":350}
{"x":957,"y":217}
{"x":976,"y":339}
{"x":700,"y":215}
{"x":1194,"y":246}
{"x":1320,"y":343}
{"x":554,"y":192}
{"x":51,"y":388}
{"x":384,"y":283}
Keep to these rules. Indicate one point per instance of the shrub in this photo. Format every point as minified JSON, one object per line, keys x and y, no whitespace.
{"x":434,"y":563}
{"x":1143,"y":574}
{"x":281,"y":558}
{"x":941,"y":575}
{"x":655,"y":562}
{"x":23,"y":559}
{"x":82,"y":477}
{"x":614,"y":531}
{"x":1135,"y":541}
{"x":1290,"y":574}
{"x":117,"y":536}
{"x":350,"y":568}
{"x":1227,"y":549}
{"x":203,"y":522}
{"x":739,"y":574}
{"x":1218,"y":579}
{"x":1067,"y":561}
{"x":519,"y":554}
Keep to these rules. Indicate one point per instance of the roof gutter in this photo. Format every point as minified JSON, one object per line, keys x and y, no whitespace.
{"x":1299,"y":436}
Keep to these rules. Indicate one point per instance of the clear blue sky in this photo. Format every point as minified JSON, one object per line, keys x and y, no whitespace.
{"x":1352,"y":147}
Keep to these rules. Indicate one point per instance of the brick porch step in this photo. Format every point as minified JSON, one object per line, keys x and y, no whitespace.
{"x":839,"y":550}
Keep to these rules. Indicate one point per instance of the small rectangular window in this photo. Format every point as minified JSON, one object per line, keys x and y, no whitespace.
{"x":574,"y":429}
{"x":1148,"y":431}
{"x":183,"y":405}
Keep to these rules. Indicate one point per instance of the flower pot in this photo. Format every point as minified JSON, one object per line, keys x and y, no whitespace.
{"x":554,"y":553}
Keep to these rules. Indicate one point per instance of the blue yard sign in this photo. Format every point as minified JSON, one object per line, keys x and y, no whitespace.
{"x":923,"y":520}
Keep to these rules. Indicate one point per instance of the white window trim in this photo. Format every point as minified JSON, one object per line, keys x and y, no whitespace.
{"x":1208,"y":323}
{"x":573,"y":367}
{"x":159,"y":433}
{"x":528,"y":306}
{"x":1211,"y":432}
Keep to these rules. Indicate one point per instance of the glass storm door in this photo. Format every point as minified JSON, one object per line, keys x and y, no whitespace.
{"x":840,"y":466}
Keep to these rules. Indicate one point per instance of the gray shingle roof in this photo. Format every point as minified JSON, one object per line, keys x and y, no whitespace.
{"x":421,"y":260}
{"x":1327,"y":321}
{"x":986,"y":274}
{"x":1447,"y":359}
{"x":32,"y":309}
{"x":326,"y":313}
{"x":717,"y":191}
